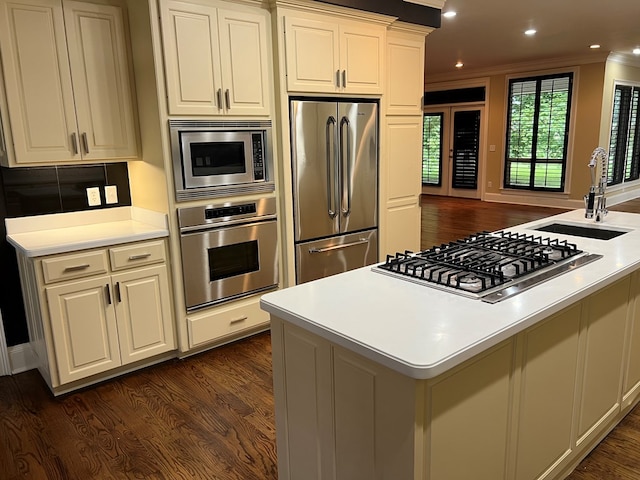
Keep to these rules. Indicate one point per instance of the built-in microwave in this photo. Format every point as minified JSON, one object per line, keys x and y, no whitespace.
{"x":221,"y":158}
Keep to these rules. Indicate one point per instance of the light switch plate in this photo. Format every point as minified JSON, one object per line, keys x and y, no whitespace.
{"x":111,"y":194}
{"x":93,"y":196}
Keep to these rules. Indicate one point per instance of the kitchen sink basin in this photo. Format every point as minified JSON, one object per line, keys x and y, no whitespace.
{"x":581,"y":231}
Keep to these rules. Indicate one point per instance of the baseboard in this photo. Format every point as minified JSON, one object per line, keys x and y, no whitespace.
{"x":534,"y":200}
{"x":21,"y":358}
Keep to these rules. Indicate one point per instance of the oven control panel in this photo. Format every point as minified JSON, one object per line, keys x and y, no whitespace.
{"x":258,"y":161}
{"x":229,"y":213}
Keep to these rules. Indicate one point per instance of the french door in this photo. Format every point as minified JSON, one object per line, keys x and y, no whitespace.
{"x":451,"y":151}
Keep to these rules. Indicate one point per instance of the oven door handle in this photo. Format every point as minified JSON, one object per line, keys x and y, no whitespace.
{"x":339,"y":247}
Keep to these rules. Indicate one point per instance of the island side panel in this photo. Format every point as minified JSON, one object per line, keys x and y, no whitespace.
{"x":339,"y":415}
{"x":468,"y":412}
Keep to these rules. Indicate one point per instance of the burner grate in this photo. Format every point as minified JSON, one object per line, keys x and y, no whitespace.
{"x":480,"y":262}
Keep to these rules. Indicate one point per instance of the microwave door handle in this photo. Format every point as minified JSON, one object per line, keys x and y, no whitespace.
{"x":346,"y":165}
{"x":331,"y":206}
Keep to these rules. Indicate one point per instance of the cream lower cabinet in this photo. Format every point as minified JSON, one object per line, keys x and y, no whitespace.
{"x":529,"y":408}
{"x":324,"y":55}
{"x":216,"y":59}
{"x":631,"y":383}
{"x":98,"y":310}
{"x":68,"y":89}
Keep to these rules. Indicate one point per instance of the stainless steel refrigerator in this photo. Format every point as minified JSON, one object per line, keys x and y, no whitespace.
{"x":335,"y":186}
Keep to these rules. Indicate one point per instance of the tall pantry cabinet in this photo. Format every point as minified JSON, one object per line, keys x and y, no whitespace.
{"x":67,"y":78}
{"x":401,"y":146}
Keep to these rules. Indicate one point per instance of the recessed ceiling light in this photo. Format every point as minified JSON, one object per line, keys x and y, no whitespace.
{"x":531,"y":31}
{"x":459,"y":65}
{"x":449,"y":14}
{"x":636,"y":51}
{"x":594,"y":46}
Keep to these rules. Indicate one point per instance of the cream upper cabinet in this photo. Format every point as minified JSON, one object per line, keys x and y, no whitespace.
{"x":405,"y":74}
{"x":67,"y":82}
{"x":326,"y":56}
{"x":216,"y":60}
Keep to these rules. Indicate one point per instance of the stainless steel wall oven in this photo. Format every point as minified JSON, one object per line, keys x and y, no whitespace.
{"x":221,"y":158}
{"x":228,"y":251}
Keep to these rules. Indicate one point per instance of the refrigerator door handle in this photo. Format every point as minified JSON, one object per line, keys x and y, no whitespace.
{"x":362,"y":241}
{"x":331,"y":197}
{"x":346,"y":178}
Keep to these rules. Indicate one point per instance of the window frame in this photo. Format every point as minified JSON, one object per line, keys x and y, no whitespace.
{"x":441,"y":116}
{"x":572,"y":74}
{"x":635,"y":148}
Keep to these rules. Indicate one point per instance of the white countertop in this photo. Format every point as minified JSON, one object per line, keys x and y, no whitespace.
{"x":421,"y":331}
{"x":65,"y":232}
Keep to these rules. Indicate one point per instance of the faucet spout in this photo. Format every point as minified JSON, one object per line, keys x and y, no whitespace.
{"x":595,"y":201}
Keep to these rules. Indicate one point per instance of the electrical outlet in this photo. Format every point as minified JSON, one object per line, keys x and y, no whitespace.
{"x":489,"y":184}
{"x":93,"y":196}
{"x":111,"y":194}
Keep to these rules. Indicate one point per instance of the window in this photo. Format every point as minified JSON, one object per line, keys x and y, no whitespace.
{"x":538,"y":132}
{"x":624,"y":146}
{"x":432,"y":149}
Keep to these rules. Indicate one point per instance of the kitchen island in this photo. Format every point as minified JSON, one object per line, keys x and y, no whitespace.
{"x":379,"y":378}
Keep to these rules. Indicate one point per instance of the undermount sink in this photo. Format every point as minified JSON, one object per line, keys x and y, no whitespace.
{"x":582,"y":231}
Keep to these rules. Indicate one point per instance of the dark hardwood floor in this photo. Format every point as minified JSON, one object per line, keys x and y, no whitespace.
{"x":210,"y":416}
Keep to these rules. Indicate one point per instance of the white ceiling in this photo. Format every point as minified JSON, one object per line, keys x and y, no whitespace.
{"x":490,"y":33}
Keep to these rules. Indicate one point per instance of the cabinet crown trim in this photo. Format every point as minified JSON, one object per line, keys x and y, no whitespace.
{"x":341,"y":13}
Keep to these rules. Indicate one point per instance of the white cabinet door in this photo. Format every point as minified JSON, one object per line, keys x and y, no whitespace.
{"x":362,"y":52}
{"x":101,"y":85}
{"x":67,"y":81}
{"x":329,"y":57}
{"x":38,"y":81}
{"x":83,"y":325}
{"x":244,"y":59}
{"x":312,"y":55}
{"x":405,"y":74}
{"x":216,"y":60}
{"x":143,"y":311}
{"x":192,"y":67}
{"x":400,"y":185}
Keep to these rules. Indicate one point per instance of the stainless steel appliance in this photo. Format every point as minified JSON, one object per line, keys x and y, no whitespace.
{"x":221,"y":158}
{"x":335,"y":181}
{"x":228,"y":251}
{"x":488,"y":266}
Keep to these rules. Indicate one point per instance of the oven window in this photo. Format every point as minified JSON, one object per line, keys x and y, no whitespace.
{"x":217,"y":158}
{"x":230,"y":260}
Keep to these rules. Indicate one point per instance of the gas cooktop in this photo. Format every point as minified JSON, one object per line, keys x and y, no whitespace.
{"x":488,"y":266}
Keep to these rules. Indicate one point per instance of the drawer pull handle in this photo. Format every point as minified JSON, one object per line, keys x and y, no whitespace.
{"x":139,"y":256}
{"x":237,"y":320}
{"x":75,"y":268}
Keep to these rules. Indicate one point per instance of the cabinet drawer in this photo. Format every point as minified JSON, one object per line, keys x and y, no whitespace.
{"x":138,"y":254}
{"x":224,"y":321}
{"x":63,"y":267}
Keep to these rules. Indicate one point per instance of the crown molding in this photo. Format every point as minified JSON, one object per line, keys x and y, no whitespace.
{"x":542,"y":64}
{"x":428,"y":3}
{"x":624,"y":58}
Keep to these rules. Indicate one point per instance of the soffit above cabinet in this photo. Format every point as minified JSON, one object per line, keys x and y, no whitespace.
{"x":415,"y":11}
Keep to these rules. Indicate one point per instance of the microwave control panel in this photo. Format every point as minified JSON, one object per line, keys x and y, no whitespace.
{"x":258,"y":160}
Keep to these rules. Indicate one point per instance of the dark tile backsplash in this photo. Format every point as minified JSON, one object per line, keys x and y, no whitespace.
{"x":41,"y":190}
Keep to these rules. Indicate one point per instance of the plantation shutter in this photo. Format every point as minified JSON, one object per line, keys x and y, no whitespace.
{"x":466,"y":131}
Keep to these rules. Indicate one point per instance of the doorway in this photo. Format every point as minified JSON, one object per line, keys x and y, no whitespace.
{"x":452,"y":151}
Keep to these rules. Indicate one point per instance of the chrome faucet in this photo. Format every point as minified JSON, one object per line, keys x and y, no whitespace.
{"x":595,"y":202}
